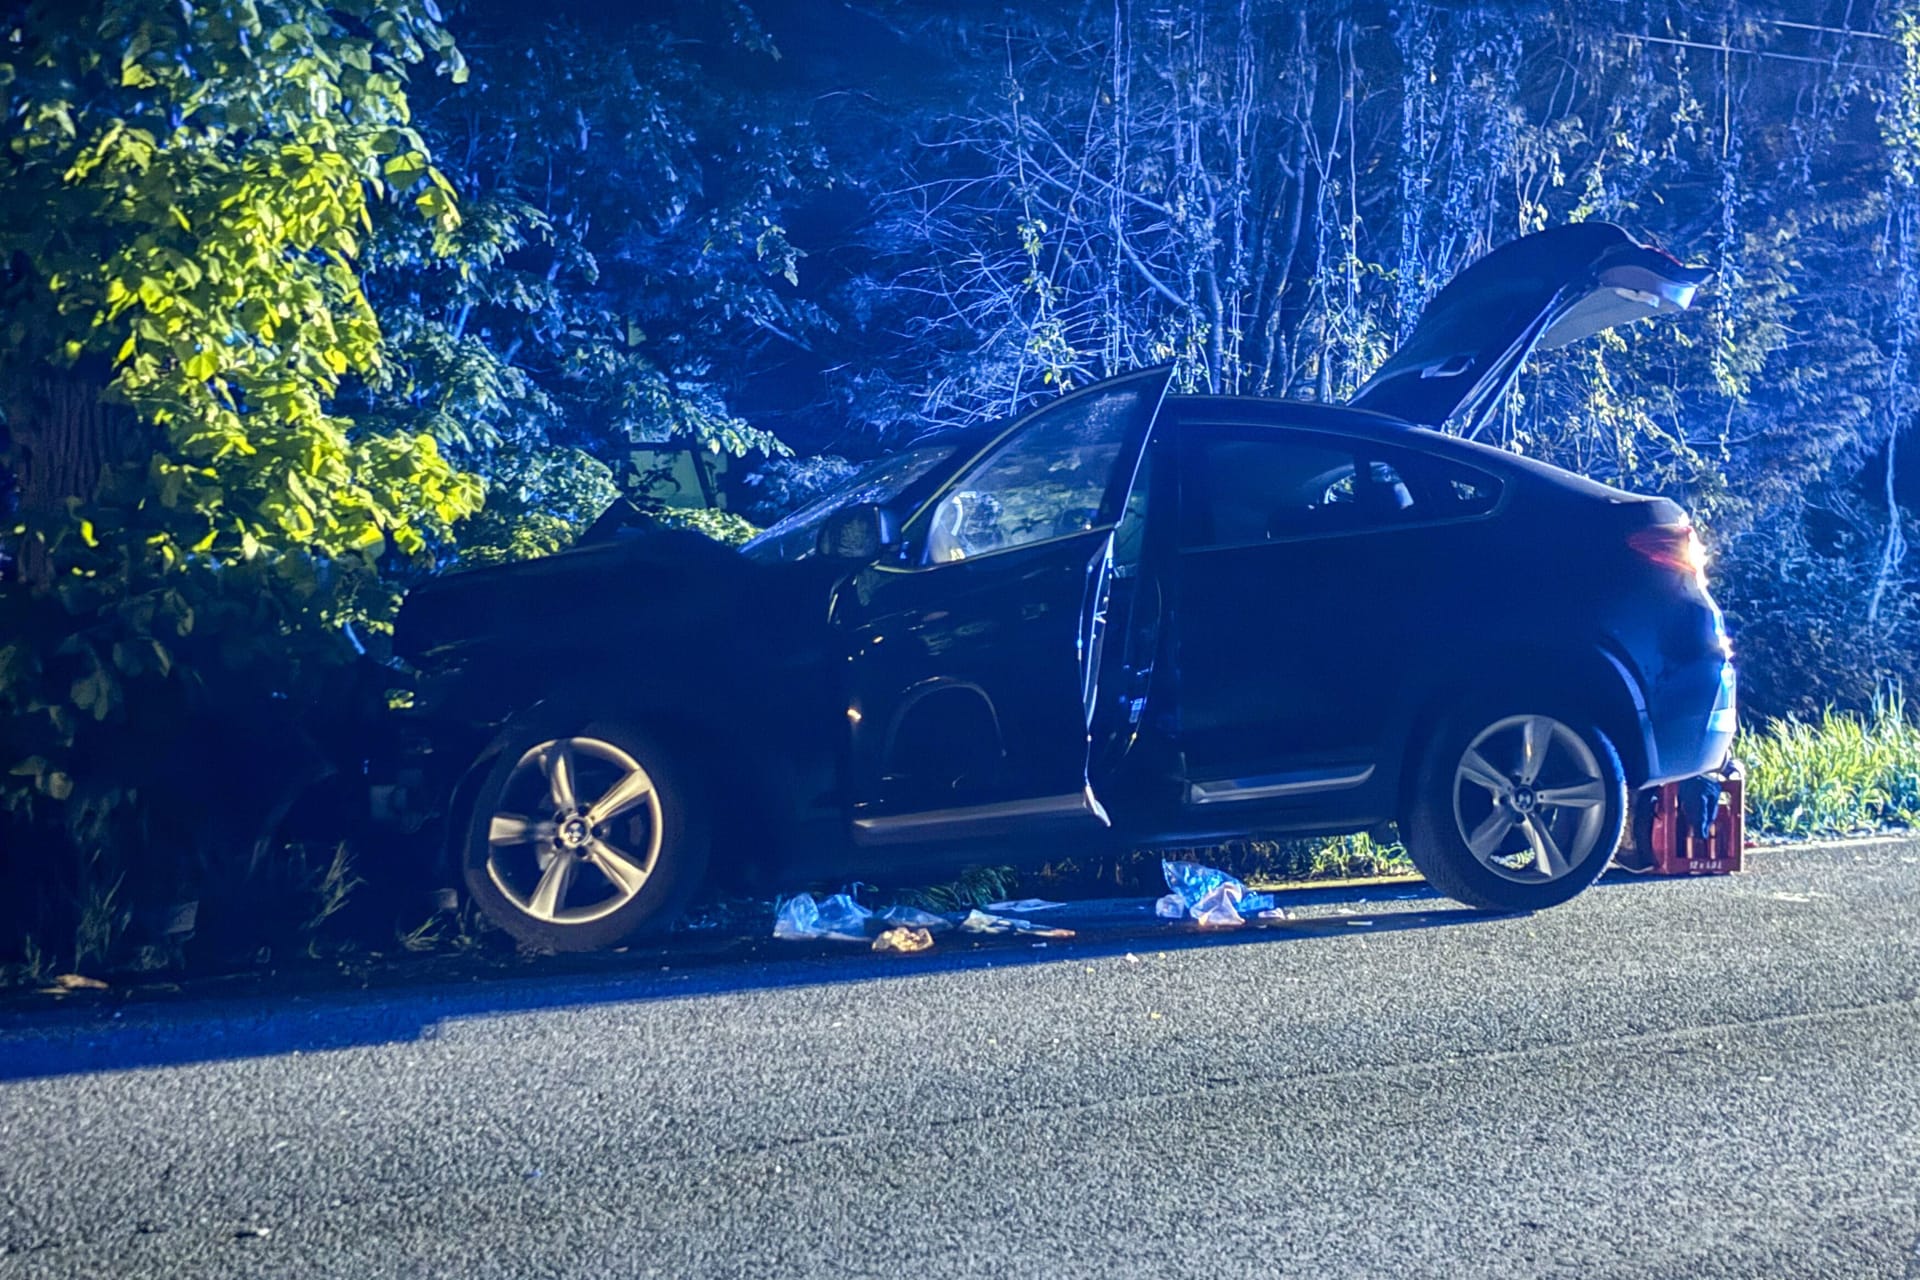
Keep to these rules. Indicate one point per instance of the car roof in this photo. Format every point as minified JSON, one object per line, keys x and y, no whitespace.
{"x":1295,"y":413}
{"x":1313,"y":415}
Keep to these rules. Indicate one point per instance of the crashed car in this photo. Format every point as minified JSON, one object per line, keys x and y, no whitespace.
{"x":1125,"y":618}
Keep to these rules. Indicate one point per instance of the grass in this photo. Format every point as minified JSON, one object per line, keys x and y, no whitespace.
{"x":1844,"y":774}
{"x":1349,"y":858}
{"x":101,"y":921}
{"x":974,"y":887}
{"x":1260,"y":862}
{"x":463,"y":928}
{"x":323,"y":888}
{"x":1289,"y":861}
{"x":34,"y":967}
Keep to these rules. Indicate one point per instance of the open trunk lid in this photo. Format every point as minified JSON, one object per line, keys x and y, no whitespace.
{"x":1544,"y":290}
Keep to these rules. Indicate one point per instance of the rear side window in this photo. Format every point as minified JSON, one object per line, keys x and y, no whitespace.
{"x":1472,"y":493}
{"x":1239,"y":489}
{"x":1268,"y":485}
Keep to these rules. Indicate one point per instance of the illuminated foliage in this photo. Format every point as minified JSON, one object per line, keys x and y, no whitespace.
{"x":190,"y":188}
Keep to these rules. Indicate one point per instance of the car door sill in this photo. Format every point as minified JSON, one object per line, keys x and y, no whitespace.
{"x":999,"y":818}
{"x":1275,"y":785}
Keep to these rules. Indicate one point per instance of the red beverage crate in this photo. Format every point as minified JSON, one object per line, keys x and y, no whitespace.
{"x":1678,"y":851}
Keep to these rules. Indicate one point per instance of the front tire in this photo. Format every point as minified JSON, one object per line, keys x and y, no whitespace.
{"x":1515,"y":809}
{"x":581,"y":838}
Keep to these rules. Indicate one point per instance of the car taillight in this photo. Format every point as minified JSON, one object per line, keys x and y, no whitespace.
{"x":1673,"y":546}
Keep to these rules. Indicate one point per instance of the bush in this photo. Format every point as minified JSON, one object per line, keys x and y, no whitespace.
{"x":721,"y":526}
{"x":1348,"y":857}
{"x":1257,"y":860}
{"x":1801,"y":631}
{"x":1842,"y":774}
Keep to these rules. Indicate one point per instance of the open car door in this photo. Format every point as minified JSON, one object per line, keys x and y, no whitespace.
{"x":1543,"y":290}
{"x":974,"y":653}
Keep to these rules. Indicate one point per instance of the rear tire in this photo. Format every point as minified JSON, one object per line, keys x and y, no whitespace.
{"x":582,"y":837}
{"x":1515,"y":807}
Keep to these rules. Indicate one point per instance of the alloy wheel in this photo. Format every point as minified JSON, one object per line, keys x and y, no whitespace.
{"x":576,"y":833}
{"x":1529,"y":798}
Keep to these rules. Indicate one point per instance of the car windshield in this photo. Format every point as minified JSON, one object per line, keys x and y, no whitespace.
{"x":882,"y":481}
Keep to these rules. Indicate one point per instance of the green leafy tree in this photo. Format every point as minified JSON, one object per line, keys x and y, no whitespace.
{"x":188,"y":192}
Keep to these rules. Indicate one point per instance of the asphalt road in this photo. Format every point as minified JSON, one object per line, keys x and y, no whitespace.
{"x":1692,"y":1078}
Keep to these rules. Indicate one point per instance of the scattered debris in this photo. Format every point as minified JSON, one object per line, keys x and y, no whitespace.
{"x":903,"y":928}
{"x":915,"y":918}
{"x":838,"y":918}
{"x":1025,"y":905}
{"x":978,"y":921}
{"x":903,"y":941}
{"x":1211,"y":897}
{"x":1216,"y":908}
{"x":253,"y":1233}
{"x":74,"y":982}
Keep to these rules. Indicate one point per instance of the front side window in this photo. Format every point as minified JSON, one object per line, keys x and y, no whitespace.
{"x":793,"y":538}
{"x":1052,"y":477}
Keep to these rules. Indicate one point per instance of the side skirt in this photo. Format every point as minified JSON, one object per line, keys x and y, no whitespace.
{"x":1007,"y":817}
{"x":1275,"y":786}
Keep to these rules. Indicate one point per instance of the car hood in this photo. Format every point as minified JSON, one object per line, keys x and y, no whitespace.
{"x":597,"y":594}
{"x":1543,"y":290}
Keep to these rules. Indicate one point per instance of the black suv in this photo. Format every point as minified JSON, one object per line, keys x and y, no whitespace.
{"x":1126,"y":616}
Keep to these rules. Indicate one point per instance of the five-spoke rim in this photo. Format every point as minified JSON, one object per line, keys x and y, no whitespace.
{"x":1530,"y":799}
{"x":576,"y":833}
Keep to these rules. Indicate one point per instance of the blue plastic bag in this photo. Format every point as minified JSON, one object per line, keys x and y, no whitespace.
{"x":1193,"y":881}
{"x":914,"y":918}
{"x":1209,"y":894}
{"x":1218,"y":909}
{"x":839,"y":918}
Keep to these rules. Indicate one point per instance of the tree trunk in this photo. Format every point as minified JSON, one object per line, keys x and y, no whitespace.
{"x":64,"y":440}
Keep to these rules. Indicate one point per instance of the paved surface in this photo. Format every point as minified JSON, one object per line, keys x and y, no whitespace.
{"x":1705,"y":1078}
